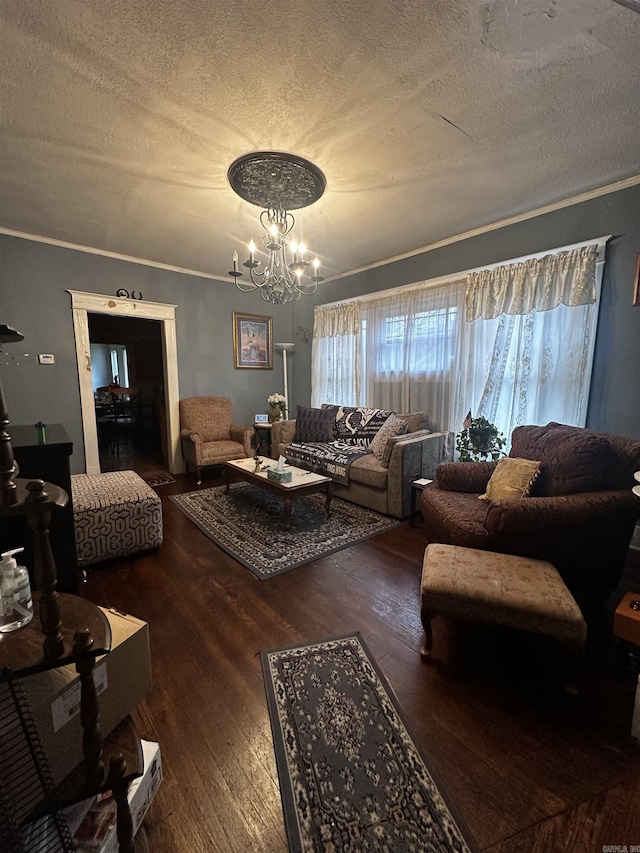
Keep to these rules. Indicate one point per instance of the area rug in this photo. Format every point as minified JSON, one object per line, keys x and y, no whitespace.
{"x":160,"y":479}
{"x":249,"y":524}
{"x":351,"y":777}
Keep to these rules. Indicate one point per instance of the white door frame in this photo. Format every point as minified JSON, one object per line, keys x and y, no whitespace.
{"x":98,"y":303}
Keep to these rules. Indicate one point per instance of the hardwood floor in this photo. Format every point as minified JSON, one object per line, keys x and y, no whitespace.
{"x":529,"y":767}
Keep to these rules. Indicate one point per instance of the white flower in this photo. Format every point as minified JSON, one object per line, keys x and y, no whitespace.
{"x":276,"y":400}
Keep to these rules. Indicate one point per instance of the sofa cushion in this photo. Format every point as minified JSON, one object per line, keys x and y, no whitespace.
{"x":456,"y":518}
{"x":357,"y":424}
{"x":394,"y":425}
{"x":513,"y":478}
{"x":415,"y":420}
{"x":314,"y":425}
{"x":368,"y":471}
{"x":572,"y":460}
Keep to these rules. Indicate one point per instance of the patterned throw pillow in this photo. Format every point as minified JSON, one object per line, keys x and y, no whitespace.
{"x":394,"y":425}
{"x":314,"y":425}
{"x":358,"y":424}
{"x":512,"y":478}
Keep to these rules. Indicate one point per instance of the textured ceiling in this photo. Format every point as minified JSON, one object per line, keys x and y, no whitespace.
{"x":119,"y":118}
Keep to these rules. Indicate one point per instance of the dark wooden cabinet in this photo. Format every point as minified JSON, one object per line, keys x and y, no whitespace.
{"x":44,"y":461}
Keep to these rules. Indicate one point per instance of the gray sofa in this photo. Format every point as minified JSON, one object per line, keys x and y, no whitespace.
{"x":414,"y":454}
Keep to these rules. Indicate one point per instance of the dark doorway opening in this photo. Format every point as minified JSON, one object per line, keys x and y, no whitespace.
{"x":127,"y":355}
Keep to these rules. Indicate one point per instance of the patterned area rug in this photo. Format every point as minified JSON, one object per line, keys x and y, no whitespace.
{"x":351,"y":778}
{"x":249,"y":524}
{"x":161,"y":479}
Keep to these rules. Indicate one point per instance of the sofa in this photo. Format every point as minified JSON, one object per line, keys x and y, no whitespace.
{"x":379,"y":482}
{"x":577,"y":513}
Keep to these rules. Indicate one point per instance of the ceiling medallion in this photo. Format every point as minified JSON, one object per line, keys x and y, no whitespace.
{"x":277,"y":182}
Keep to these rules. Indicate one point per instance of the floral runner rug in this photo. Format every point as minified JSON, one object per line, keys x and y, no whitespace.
{"x":249,"y":524}
{"x":352,"y":779}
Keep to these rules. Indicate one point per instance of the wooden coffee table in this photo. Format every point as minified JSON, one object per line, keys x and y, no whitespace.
{"x":302,"y":482}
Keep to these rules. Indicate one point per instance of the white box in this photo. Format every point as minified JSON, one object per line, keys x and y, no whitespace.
{"x":141,"y":793}
{"x":122,"y":678}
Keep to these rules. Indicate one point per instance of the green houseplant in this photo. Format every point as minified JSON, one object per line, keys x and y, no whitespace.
{"x":480,"y":441}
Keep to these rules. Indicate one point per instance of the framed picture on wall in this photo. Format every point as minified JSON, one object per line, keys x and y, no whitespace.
{"x":636,"y":289}
{"x":252,"y":341}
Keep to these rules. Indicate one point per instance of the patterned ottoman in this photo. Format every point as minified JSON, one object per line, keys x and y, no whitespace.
{"x":514,"y":591}
{"x":115,"y":515}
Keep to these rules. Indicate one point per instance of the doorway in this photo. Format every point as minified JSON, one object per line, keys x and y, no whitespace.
{"x":126,"y":355}
{"x":96,"y":303}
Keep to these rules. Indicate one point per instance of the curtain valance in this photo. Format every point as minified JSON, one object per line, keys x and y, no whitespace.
{"x":331,"y":321}
{"x":539,"y":284}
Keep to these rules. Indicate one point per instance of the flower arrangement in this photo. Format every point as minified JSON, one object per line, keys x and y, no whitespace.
{"x":479,"y":441}
{"x":277,"y":404}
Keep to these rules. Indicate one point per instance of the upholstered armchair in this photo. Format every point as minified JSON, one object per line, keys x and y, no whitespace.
{"x":208,"y":434}
{"x":580,"y":514}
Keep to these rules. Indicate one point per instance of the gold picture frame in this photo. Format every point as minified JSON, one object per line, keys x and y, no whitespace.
{"x":636,"y":289}
{"x":252,"y":341}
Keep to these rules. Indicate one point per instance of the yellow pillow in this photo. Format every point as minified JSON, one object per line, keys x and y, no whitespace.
{"x":512,"y":478}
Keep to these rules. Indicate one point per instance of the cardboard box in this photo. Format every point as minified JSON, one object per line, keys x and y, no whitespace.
{"x":626,"y":620}
{"x":122,"y":678}
{"x":99,"y":824}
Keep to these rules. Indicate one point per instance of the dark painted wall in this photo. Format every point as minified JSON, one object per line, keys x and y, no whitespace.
{"x":34,"y":278}
{"x":614,"y":404}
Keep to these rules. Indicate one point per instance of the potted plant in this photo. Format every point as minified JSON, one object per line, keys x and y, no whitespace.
{"x":480,"y":441}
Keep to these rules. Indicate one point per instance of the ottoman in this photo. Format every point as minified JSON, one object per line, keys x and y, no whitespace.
{"x":484,"y":586}
{"x":115,"y":515}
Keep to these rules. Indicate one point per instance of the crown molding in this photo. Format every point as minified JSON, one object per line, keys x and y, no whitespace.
{"x":90,"y":250}
{"x":447,"y":241}
{"x":494,"y":226}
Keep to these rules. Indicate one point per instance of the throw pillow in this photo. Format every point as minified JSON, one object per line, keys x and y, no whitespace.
{"x":358,"y":424}
{"x":314,"y":425}
{"x":394,"y":425}
{"x":512,"y":478}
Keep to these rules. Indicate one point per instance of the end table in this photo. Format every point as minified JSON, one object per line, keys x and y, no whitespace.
{"x":267,"y":437}
{"x":416,"y":488}
{"x":626,"y":627}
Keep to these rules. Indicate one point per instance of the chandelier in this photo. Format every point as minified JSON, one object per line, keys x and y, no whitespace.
{"x":278,"y":183}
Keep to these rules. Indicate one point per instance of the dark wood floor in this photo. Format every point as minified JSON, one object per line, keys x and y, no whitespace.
{"x":529,"y":767}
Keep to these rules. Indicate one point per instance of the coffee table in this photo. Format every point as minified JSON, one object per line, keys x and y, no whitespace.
{"x":302,"y":482}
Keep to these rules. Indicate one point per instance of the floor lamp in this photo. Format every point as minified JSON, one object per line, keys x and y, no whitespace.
{"x":284,"y":348}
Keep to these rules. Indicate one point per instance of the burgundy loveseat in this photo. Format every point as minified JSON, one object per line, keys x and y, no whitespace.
{"x":580,"y":515}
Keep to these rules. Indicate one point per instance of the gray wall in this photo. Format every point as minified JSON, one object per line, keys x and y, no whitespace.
{"x":614,"y":404}
{"x":34,"y":278}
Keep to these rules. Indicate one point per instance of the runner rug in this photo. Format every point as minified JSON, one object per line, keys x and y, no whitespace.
{"x":351,"y":777}
{"x":249,"y":524}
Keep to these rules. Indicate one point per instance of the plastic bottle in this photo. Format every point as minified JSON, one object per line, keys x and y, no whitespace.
{"x":15,"y":589}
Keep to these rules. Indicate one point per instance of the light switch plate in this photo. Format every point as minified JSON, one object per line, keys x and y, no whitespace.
{"x":46,"y":358}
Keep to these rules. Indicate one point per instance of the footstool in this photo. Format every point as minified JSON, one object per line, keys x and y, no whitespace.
{"x":484,"y":586}
{"x":115,"y":514}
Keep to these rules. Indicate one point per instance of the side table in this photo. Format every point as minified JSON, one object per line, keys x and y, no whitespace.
{"x":266,"y":429}
{"x":626,"y":628}
{"x":416,"y":488}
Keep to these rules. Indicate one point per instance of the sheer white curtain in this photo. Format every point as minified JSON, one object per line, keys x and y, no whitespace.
{"x":513,"y":343}
{"x":528,"y":348}
{"x":411,"y":343}
{"x":336,"y":355}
